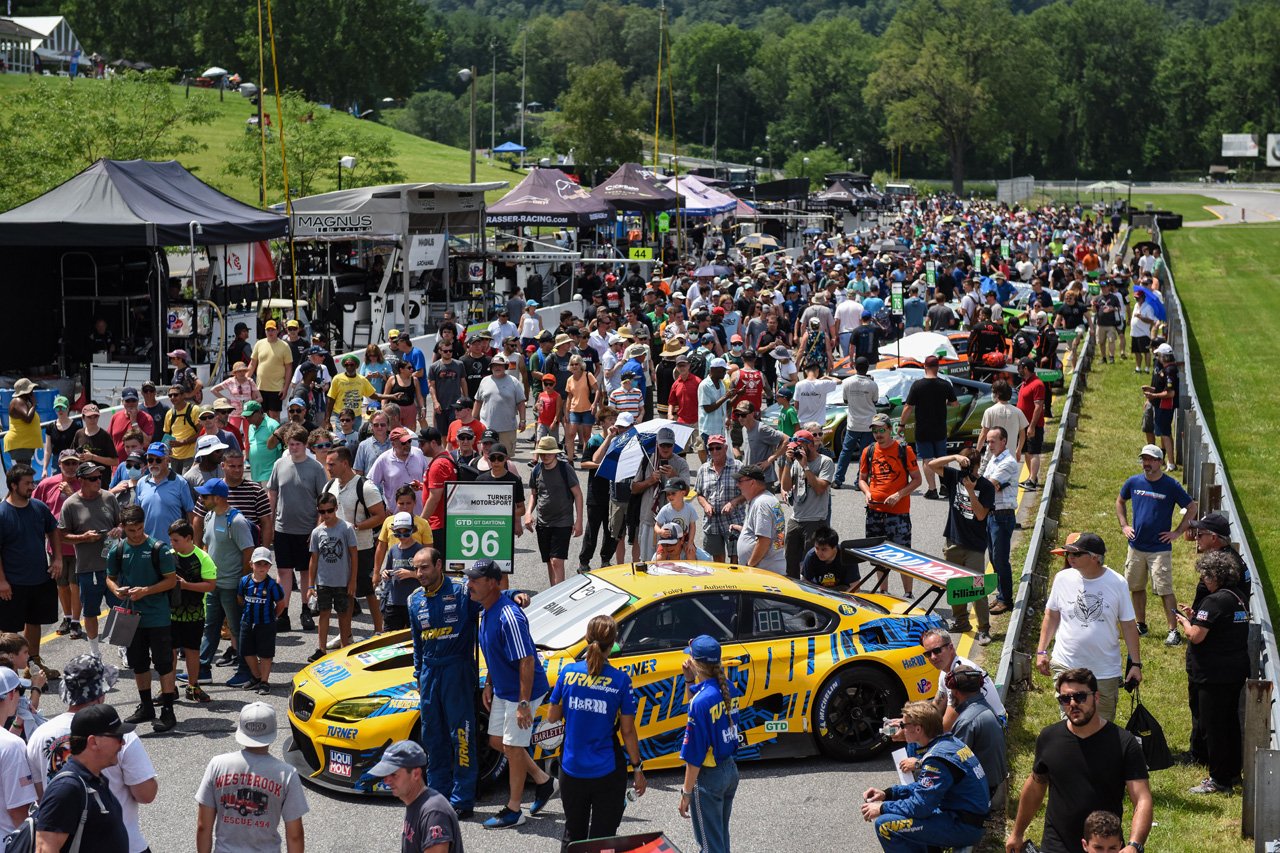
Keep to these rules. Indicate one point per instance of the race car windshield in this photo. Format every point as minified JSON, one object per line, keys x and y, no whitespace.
{"x":558,"y":616}
{"x":843,"y":597}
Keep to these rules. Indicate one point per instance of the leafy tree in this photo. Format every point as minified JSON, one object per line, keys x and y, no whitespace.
{"x":951,"y":73}
{"x":158,"y":31}
{"x":314,"y":143}
{"x":699,"y":56}
{"x":54,"y":128}
{"x":434,"y":115}
{"x":822,"y":160}
{"x":598,"y":119}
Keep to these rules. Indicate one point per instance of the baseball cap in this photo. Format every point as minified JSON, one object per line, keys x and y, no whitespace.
{"x":88,"y":469}
{"x":499,"y":358}
{"x":257,"y":726}
{"x":292,"y":324}
{"x":751,"y":472}
{"x":1087,"y":543}
{"x":158,"y":448}
{"x":498,"y":450}
{"x":298,"y":401}
{"x":666,"y":435}
{"x":393,"y":334}
{"x":129,"y":394}
{"x":717,"y":363}
{"x":744,"y":407}
{"x":671,"y":534}
{"x":402,"y":521}
{"x":222,"y":404}
{"x":251,"y":407}
{"x":1070,"y":540}
{"x":1164,"y":349}
{"x":178,"y":353}
{"x":61,"y":402}
{"x":1151,"y":450}
{"x":401,"y":755}
{"x":465,"y":432}
{"x":262,"y":554}
{"x":9,"y":681}
{"x":1216,"y":523}
{"x":546,"y":335}
{"x":625,"y":420}
{"x":465,"y":402}
{"x":270,"y":324}
{"x":401,"y":434}
{"x":675,"y":484}
{"x":488,"y":437}
{"x":704,"y":647}
{"x":880,"y":419}
{"x":134,"y":458}
{"x":97,"y":720}
{"x":216,"y":487}
{"x":89,"y":409}
{"x":67,"y":454}
{"x":803,"y":435}
{"x":717,"y":439}
{"x":784,"y":391}
{"x":85,"y":678}
{"x":484,"y":569}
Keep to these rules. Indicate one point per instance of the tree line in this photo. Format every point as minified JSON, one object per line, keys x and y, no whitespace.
{"x":976,"y":89}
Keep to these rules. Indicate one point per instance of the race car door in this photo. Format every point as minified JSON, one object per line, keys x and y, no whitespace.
{"x":652,"y":643}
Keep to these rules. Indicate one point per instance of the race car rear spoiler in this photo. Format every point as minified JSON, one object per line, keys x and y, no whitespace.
{"x":957,"y":583}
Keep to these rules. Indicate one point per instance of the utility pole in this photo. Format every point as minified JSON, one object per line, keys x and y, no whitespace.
{"x":524,"y":68}
{"x":493,"y":97}
{"x":715,"y":139}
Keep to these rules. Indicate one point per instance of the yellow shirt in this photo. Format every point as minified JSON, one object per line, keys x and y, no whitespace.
{"x":23,"y":435}
{"x":272,"y":359}
{"x":421,"y":531}
{"x":348,"y":392}
{"x":182,"y":425}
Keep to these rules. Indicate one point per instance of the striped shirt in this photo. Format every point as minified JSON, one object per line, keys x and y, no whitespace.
{"x":260,"y":599}
{"x":718,"y":489}
{"x":250,"y":499}
{"x":627,"y":401}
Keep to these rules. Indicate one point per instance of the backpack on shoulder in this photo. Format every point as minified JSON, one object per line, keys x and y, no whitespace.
{"x":23,"y":838}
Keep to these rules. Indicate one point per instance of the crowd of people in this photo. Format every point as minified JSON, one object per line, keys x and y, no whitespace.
{"x":209,"y":510}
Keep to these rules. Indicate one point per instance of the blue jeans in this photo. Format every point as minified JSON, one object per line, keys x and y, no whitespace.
{"x":898,"y":834}
{"x":218,"y":605}
{"x":845,"y":337}
{"x":1000,"y":535}
{"x":712,"y":804}
{"x":854,"y":442}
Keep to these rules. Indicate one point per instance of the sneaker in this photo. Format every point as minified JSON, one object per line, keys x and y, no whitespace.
{"x":262,"y":688}
{"x":306,"y":621}
{"x":283,"y":624}
{"x":1208,"y":786}
{"x":145,"y":713}
{"x":1168,"y":467}
{"x":983,"y":638}
{"x":1173,"y":638}
{"x":197,"y":694}
{"x":205,"y":676}
{"x":1142,"y":629}
{"x":543,"y":793}
{"x":931,"y":495}
{"x":64,"y":627}
{"x":1000,"y":607}
{"x":240,"y":679}
{"x":316,"y":655}
{"x":955,"y":627}
{"x":465,"y":814}
{"x":228,"y":658}
{"x":1029,"y":484}
{"x":505,"y":819}
{"x":76,"y":633}
{"x":166,"y":721}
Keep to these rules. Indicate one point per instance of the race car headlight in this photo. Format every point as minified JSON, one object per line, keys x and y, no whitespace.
{"x":354,"y":710}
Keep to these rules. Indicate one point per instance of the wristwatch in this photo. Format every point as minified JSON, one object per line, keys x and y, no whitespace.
{"x":1136,"y":845}
{"x":523,"y":705}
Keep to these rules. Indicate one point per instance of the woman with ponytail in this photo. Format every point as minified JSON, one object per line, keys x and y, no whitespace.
{"x":595,"y":701}
{"x":710,"y":742}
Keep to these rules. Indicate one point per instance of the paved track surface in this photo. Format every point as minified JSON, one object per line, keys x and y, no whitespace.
{"x":782,"y":805}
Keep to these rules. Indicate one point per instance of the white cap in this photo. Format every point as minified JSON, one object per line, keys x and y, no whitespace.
{"x":207,"y":444}
{"x":402,"y":521}
{"x":626,"y":420}
{"x":262,"y":554}
{"x":717,"y":362}
{"x":257,"y":725}
{"x":1164,"y":349}
{"x":1152,"y":451}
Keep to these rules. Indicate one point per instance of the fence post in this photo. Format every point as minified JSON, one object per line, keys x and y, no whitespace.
{"x":1257,"y":736}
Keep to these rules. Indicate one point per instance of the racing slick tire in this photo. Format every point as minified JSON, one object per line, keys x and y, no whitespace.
{"x":849,"y":709}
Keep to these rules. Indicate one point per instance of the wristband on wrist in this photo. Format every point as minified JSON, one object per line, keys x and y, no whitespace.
{"x":1041,"y":652}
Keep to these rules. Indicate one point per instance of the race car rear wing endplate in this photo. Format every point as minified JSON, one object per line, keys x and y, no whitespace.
{"x":886,"y":557}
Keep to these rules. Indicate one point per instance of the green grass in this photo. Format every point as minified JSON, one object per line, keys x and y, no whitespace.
{"x":1227,"y":278}
{"x":1190,"y":205}
{"x":1105,"y":454}
{"x":421,"y":160}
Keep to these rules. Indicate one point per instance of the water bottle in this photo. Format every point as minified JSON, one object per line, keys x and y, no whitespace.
{"x":632,"y":795}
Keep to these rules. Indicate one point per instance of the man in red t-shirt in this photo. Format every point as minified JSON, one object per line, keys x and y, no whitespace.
{"x":683,"y":400}
{"x":749,"y":382}
{"x":129,"y":415}
{"x":440,"y":470}
{"x":1031,"y":396}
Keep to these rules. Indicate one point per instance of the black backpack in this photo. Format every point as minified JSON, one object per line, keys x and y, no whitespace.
{"x":23,"y":838}
{"x":1142,"y":725}
{"x":864,"y":464}
{"x":466,"y":472}
{"x":360,"y":502}
{"x":117,"y":560}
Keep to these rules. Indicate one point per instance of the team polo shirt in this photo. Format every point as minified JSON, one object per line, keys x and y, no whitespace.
{"x":711,"y":735}
{"x":591,"y":707}
{"x":505,"y":641}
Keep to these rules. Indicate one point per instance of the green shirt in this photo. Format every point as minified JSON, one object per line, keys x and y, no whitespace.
{"x":197,"y":564}
{"x":134,"y":565}
{"x":787,"y":421}
{"x":261,"y":457}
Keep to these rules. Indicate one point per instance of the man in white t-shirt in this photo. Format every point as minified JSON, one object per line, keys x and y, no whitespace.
{"x":848,"y":318}
{"x":17,"y":783}
{"x":762,"y":538}
{"x":1088,"y":607}
{"x":1004,"y":414}
{"x":811,"y":396}
{"x":941,"y":653}
{"x":86,"y":681}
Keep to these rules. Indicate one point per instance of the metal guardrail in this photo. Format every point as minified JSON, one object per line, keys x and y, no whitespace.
{"x":1015,"y":665}
{"x":1205,"y":477}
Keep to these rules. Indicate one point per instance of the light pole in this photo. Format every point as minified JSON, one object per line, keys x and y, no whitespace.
{"x":759,"y":163}
{"x":768,"y":149}
{"x":493,"y":98}
{"x":1129,"y":203}
{"x":806,"y":170}
{"x":468,"y":76}
{"x":524,"y":68}
{"x":349,"y":163}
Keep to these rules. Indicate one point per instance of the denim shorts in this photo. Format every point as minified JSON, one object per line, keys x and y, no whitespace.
{"x":587,"y":418}
{"x":931,"y":449}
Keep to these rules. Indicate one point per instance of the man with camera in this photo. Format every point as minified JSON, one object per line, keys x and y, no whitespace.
{"x":946,"y":806}
{"x":806,"y":483}
{"x":972,"y":499}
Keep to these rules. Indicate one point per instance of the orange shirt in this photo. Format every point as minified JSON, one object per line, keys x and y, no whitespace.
{"x":475,"y":425}
{"x":884,"y":475}
{"x":579,"y":392}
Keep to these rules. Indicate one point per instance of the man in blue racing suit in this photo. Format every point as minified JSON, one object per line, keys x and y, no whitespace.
{"x":442,"y":619}
{"x":945,"y":806}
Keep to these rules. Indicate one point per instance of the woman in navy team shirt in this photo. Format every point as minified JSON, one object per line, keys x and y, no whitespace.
{"x":710,"y":741}
{"x":595,"y":700}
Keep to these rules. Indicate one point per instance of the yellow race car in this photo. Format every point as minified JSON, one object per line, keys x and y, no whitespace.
{"x":818,"y":670}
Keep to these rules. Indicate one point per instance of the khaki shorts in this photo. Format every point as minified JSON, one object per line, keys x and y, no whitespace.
{"x":1159,"y":564}
{"x":503,"y":722}
{"x":67,"y":577}
{"x":1108,"y":334}
{"x":696,"y":444}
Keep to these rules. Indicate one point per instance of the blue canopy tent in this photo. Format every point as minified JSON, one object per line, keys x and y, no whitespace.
{"x":510,"y":148}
